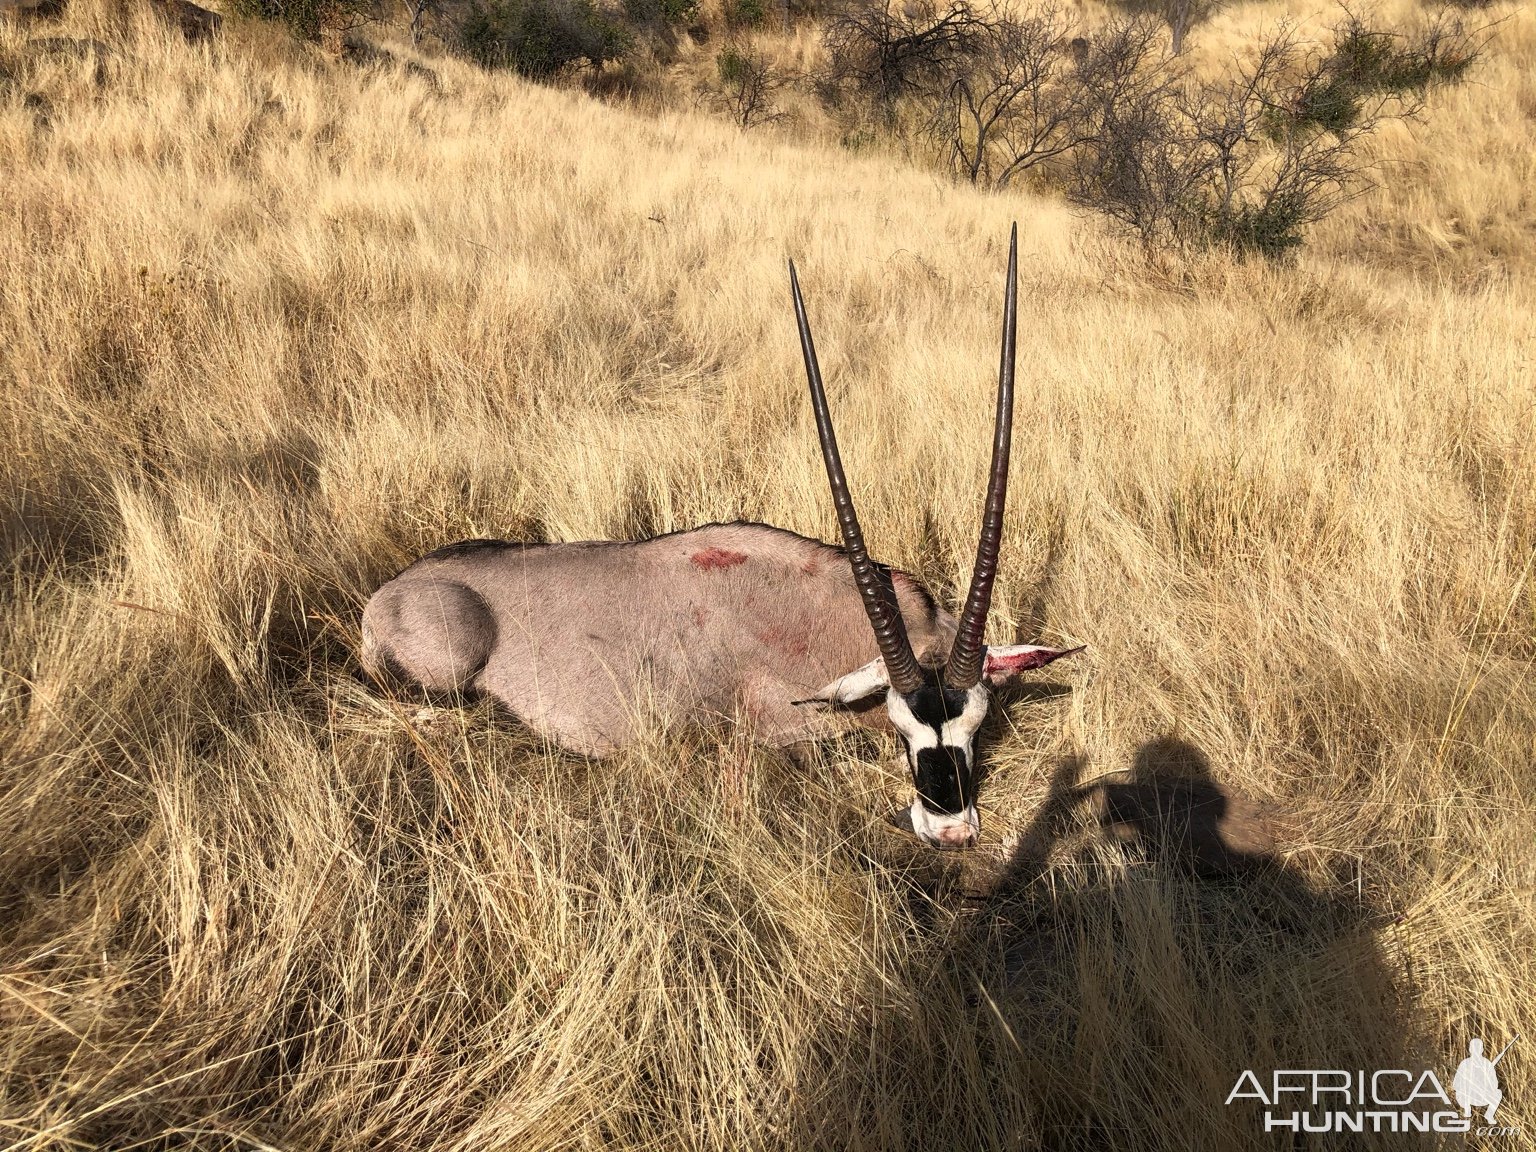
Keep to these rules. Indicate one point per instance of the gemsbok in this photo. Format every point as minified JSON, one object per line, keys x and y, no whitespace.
{"x":583,"y":641}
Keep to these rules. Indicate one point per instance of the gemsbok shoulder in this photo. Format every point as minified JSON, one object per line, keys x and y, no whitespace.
{"x":584,"y":641}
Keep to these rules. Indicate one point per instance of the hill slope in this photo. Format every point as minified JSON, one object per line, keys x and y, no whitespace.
{"x":271,"y":327}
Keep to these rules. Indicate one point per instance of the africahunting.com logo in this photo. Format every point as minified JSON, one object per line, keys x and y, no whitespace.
{"x":1386,"y":1100}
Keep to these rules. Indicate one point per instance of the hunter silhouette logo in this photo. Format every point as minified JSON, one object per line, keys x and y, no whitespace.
{"x":1386,"y":1100}
{"x":1477,"y":1083}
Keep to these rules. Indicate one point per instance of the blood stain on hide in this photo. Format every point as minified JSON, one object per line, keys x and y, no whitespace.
{"x":711,"y":559}
{"x":700,"y":614}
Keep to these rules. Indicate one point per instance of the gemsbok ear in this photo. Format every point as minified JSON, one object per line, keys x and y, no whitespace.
{"x":854,"y":686}
{"x":1005,"y":661}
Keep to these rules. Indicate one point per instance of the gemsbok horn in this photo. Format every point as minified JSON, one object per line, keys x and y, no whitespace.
{"x":584,"y":641}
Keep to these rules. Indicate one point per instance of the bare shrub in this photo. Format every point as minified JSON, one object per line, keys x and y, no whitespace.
{"x":885,"y":52}
{"x":748,"y":84}
{"x":418,"y":13}
{"x":1011,"y":106}
{"x":1030,"y":92}
{"x":1245,"y":161}
{"x":1249,"y":161}
{"x":1127,"y":162}
{"x":1180,"y":16}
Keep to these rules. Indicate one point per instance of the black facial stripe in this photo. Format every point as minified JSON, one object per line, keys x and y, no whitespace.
{"x":943,"y":779}
{"x":942,"y":774}
{"x":933,"y":704}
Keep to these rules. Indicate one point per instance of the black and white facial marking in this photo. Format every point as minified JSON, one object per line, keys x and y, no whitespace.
{"x":938,"y":725}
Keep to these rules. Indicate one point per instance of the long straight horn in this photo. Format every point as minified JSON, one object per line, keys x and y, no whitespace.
{"x":969,"y":652}
{"x":879,"y":599}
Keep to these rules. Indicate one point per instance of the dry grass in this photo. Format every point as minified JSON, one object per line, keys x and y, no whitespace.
{"x":269,"y":327}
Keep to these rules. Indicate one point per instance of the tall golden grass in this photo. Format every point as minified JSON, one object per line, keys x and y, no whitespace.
{"x":271,"y":326}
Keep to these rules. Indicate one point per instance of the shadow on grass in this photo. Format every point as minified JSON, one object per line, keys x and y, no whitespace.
{"x":1144,"y":943}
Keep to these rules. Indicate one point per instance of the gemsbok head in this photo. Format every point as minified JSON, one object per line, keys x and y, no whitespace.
{"x":588,"y":642}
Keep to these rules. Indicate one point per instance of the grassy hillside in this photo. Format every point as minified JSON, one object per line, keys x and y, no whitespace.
{"x":270,"y":326}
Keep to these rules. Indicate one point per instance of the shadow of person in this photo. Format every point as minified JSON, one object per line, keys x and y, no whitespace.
{"x":1167,"y":812}
{"x":1170,"y":804}
{"x":1149,"y":937}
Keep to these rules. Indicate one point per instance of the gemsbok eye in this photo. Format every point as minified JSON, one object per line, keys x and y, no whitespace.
{"x":577,"y":639}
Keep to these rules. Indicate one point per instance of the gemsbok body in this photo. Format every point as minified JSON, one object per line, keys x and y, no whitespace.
{"x":588,"y":642}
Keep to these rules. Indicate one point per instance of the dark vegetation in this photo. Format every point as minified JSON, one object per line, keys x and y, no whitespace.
{"x":1111,"y":117}
{"x":540,"y":38}
{"x":746,"y":13}
{"x":309,"y":19}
